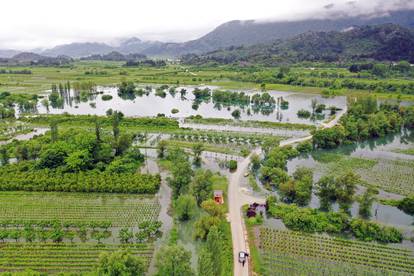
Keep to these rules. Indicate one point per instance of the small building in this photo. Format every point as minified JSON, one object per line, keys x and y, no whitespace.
{"x":255,"y":209}
{"x":218,"y":196}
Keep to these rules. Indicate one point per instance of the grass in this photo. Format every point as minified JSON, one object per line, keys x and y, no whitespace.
{"x":121,"y":210}
{"x":409,"y":151}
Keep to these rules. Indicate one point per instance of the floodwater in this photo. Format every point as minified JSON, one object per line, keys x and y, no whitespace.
{"x":151,"y":105}
{"x":381,"y":148}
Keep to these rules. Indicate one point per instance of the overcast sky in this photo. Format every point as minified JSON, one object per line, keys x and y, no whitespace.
{"x":26,"y":24}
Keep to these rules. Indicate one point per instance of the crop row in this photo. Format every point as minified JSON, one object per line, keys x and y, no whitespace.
{"x":275,"y":263}
{"x":69,"y":208}
{"x":64,"y":257}
{"x":370,"y":255}
{"x":391,"y":175}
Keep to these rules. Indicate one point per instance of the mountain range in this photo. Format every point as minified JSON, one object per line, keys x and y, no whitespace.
{"x":233,"y":33}
{"x":387,"y":42}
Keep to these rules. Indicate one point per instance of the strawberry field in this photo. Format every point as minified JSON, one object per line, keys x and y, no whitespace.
{"x":294,"y":253}
{"x":120,"y":210}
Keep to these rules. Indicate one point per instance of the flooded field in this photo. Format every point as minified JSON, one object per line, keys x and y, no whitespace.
{"x":152,"y":104}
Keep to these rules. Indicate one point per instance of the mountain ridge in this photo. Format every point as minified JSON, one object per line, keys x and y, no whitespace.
{"x":388,"y":42}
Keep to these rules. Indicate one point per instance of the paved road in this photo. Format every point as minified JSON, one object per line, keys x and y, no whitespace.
{"x":237,"y":198}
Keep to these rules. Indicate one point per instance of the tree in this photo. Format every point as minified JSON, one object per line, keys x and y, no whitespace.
{"x":232,"y":165}
{"x":4,"y":234}
{"x":202,"y":185}
{"x":314,"y":103}
{"x":325,"y":190}
{"x":173,"y":260}
{"x":197,"y":151}
{"x":116,"y":119}
{"x":181,"y":177}
{"x":54,"y":131}
{"x":205,"y":263}
{"x":4,"y":156}
{"x":255,"y":162}
{"x":83,"y":233}
{"x":366,"y":201}
{"x":329,"y":137}
{"x":120,"y":263}
{"x":379,"y":70}
{"x":345,"y":186}
{"x":15,"y":234}
{"x":214,"y":246}
{"x":403,"y":66}
{"x":407,"y":205}
{"x":22,"y":152}
{"x":54,"y":156}
{"x":203,"y":225}
{"x":125,"y":235}
{"x":236,"y":114}
{"x":161,"y":147}
{"x":213,"y":209}
{"x":57,"y":233}
{"x":29,"y":233}
{"x":97,"y":131}
{"x":185,"y":207}
{"x":122,"y":144}
{"x":141,"y":236}
{"x":78,"y":160}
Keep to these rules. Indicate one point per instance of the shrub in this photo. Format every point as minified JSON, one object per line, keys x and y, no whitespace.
{"x":106,"y":97}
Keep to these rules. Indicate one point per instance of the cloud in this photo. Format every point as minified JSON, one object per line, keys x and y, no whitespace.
{"x":27,"y":24}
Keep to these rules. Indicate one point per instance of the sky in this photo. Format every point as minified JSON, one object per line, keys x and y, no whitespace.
{"x":28,"y":24}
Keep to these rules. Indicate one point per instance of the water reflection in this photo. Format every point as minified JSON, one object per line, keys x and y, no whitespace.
{"x":150,"y":102}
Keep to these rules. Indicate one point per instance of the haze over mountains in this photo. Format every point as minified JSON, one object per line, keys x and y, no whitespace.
{"x":233,"y":33}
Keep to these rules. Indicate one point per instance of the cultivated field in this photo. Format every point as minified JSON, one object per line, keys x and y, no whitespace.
{"x":294,"y":253}
{"x":65,"y":257}
{"x":120,"y":210}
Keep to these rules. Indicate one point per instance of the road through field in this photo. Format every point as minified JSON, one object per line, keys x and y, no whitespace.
{"x":237,"y":198}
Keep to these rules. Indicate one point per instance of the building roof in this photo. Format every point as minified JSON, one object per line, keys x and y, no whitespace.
{"x":218,"y":193}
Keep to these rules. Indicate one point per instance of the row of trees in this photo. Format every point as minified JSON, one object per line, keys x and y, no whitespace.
{"x":56,"y":233}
